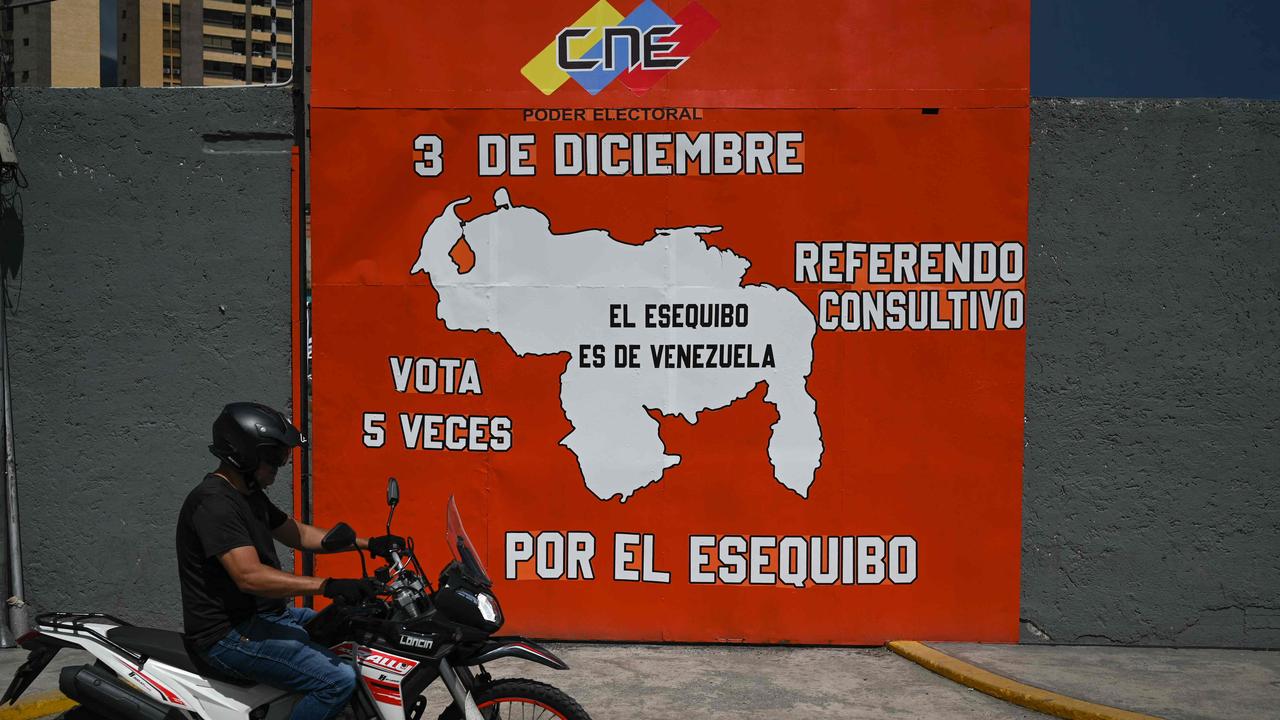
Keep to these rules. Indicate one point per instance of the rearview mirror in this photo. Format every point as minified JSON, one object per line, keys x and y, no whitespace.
{"x":339,"y":537}
{"x":393,"y":492}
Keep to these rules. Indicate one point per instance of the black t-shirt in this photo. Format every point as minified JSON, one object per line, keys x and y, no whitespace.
{"x":214,"y":519}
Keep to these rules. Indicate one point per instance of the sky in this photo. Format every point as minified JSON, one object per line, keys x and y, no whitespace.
{"x":1122,"y":48}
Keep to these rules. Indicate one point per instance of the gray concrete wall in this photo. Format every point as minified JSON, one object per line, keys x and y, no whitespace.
{"x":154,"y":288}
{"x":1151,"y":511}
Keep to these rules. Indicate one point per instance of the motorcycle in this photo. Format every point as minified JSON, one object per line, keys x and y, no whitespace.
{"x":398,"y":643}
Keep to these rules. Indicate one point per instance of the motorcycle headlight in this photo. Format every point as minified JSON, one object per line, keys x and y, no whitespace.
{"x":488,"y":607}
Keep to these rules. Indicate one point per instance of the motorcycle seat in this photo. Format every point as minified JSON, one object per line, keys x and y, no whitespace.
{"x":170,"y":648}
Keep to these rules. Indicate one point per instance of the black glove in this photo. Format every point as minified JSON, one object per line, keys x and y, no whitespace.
{"x":352,"y":592}
{"x":382,"y":545}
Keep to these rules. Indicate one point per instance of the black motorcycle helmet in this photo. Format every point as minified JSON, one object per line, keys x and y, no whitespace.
{"x":246,"y":434}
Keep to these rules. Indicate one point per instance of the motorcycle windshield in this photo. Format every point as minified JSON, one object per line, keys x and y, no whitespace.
{"x":460,"y":545}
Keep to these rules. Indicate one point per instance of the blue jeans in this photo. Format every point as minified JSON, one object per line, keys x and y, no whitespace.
{"x":275,"y":650}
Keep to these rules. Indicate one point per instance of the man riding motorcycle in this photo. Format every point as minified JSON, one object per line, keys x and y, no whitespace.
{"x":233,"y":589}
{"x":246,"y":654}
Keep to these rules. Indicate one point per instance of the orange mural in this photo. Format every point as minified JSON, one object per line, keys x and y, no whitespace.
{"x":710,"y":314}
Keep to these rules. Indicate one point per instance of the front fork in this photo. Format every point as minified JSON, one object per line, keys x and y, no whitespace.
{"x":459,"y":689}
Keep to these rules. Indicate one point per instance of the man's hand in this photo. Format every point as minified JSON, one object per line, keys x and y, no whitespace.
{"x":382,"y":545}
{"x":352,"y":592}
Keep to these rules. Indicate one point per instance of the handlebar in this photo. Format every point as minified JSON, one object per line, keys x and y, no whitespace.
{"x":405,"y":590}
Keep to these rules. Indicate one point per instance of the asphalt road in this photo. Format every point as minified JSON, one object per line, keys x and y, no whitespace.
{"x":661,"y":682}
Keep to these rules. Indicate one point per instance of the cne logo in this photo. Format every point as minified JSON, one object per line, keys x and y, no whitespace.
{"x":645,"y":47}
{"x":637,"y":50}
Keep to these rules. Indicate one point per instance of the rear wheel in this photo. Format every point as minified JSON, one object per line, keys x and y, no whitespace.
{"x":517,"y":699}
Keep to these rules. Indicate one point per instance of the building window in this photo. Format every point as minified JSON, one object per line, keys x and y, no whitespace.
{"x":223,"y":44}
{"x":124,"y":13}
{"x":284,"y":50}
{"x":26,"y":74}
{"x":124,"y":59}
{"x":124,"y":37}
{"x":26,"y":42}
{"x":215,"y":69}
{"x":224,"y":18}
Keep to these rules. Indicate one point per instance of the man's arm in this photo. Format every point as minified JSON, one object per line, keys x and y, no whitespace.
{"x":301,"y":536}
{"x":251,"y":576}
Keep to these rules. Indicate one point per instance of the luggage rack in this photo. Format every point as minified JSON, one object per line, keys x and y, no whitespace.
{"x":75,"y":623}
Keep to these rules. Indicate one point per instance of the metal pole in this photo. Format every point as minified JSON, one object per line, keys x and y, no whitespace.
{"x":13,"y":551}
{"x":275,"y":75}
{"x":17,"y":608}
{"x":300,"y":108}
{"x":6,"y":635}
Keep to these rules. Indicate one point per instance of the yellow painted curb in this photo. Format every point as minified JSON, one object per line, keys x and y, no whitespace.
{"x":37,"y":706}
{"x":998,"y":686}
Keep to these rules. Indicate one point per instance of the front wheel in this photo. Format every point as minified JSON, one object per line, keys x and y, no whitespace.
{"x":521,"y":699}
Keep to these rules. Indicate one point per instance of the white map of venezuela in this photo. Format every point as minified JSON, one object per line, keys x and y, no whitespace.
{"x":546,"y":293}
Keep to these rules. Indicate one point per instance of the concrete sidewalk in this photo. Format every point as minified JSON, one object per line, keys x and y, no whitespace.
{"x":1172,"y":683}
{"x":660,"y":682}
{"x":667,"y":682}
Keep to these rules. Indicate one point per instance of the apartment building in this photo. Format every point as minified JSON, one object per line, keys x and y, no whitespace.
{"x":204,"y":42}
{"x":52,"y":44}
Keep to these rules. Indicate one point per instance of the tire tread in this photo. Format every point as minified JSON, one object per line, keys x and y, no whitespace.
{"x":524,"y":688}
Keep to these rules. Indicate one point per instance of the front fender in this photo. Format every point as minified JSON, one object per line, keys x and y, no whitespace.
{"x":514,"y":647}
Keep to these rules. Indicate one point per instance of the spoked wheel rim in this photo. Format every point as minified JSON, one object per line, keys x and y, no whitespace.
{"x":518,"y":708}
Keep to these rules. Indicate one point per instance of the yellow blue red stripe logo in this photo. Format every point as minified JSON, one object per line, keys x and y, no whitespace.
{"x":637,"y":50}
